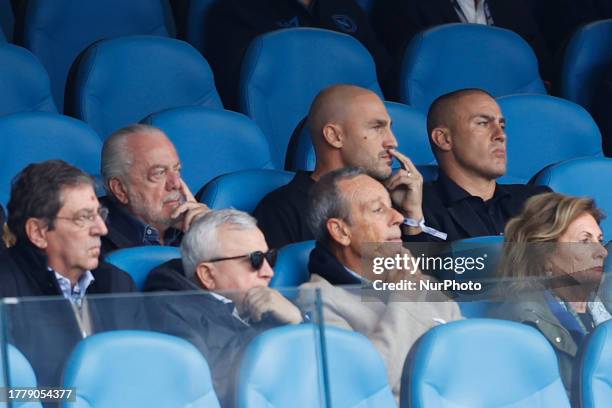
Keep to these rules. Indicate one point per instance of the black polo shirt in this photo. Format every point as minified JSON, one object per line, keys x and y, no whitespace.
{"x":449,"y":208}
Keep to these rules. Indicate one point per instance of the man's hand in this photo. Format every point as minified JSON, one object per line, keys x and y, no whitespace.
{"x":190,"y":210}
{"x":261,"y":300}
{"x":406,"y":190}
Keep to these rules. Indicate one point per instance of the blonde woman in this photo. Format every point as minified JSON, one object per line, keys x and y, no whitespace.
{"x":551,"y":268}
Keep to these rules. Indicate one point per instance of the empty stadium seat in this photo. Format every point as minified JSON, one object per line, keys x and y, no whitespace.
{"x":543,"y":130}
{"x":38,"y":136}
{"x":121,"y":81}
{"x":482,"y":363}
{"x":57,"y":31}
{"x":20,"y":374}
{"x":586,"y":57}
{"x":455,"y":56}
{"x":595,"y":369}
{"x":291,"y":267}
{"x":283,"y":71}
{"x":409,"y":126}
{"x":281,"y":368}
{"x":242,"y":190}
{"x":589,"y":177}
{"x":212,"y":142}
{"x":139,"y":261}
{"x":24,"y":83}
{"x":138,"y":369}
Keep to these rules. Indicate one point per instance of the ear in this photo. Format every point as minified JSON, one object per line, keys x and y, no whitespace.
{"x":332,"y":133}
{"x":118,"y":189}
{"x":206,"y":274}
{"x":36,"y":230}
{"x":339,"y":231}
{"x":441,"y":138}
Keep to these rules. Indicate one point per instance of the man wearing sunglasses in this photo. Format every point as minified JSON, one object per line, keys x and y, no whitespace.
{"x":226,"y":254}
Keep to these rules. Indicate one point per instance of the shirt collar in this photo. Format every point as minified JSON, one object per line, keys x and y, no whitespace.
{"x":357,"y":276}
{"x":455,"y":193}
{"x":74,"y":294}
{"x":227,"y":301}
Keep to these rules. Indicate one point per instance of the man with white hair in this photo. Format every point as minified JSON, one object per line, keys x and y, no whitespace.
{"x":226,"y":254}
{"x":148,"y":201}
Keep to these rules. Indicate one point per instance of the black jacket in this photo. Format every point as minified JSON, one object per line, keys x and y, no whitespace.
{"x":46,"y":330}
{"x":206,"y":322}
{"x":397,"y":21}
{"x":231,"y":25}
{"x":450,"y":209}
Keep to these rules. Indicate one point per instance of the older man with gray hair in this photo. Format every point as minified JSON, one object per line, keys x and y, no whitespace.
{"x":225,"y":253}
{"x":148,"y":201}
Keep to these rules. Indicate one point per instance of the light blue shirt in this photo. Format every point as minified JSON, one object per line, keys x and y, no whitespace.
{"x":74,"y":294}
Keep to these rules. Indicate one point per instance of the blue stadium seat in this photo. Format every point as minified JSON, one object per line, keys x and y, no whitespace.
{"x":25,"y":83}
{"x":587,"y":56}
{"x":138,"y":369}
{"x":7,"y":21}
{"x":409,"y":126}
{"x":139,"y":261}
{"x":57,"y":31}
{"x":589,"y":177}
{"x":543,"y":130}
{"x":281,"y":368}
{"x":455,"y":56}
{"x":195,"y":22}
{"x":482,"y":363}
{"x":32,"y":137}
{"x":242,"y":190}
{"x":212,"y":142}
{"x":282,"y":72}
{"x":20,"y":374}
{"x":594,"y":385}
{"x":292,"y":265}
{"x":121,"y":81}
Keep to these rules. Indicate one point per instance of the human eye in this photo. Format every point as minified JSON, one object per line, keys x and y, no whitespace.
{"x":158,"y":173}
{"x":377,"y":209}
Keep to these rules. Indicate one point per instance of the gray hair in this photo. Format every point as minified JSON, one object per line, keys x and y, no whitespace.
{"x":201,"y":242}
{"x":116,"y":157}
{"x":327,"y":201}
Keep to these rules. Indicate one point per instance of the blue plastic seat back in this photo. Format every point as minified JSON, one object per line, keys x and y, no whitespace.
{"x":455,"y":56}
{"x":588,"y":177}
{"x":482,"y":363}
{"x":57,"y":31}
{"x":139,"y":261}
{"x":24,"y":83}
{"x":195,"y":23}
{"x":212,"y":142}
{"x":543,"y":130}
{"x":7,"y":21}
{"x":587,"y":56}
{"x":292,"y":265}
{"x":138,"y":369}
{"x":595,"y":375}
{"x":242,"y":190}
{"x":121,"y":81}
{"x":408,"y":124}
{"x":33,"y":137}
{"x":20,"y":374}
{"x":284,"y":70}
{"x":281,"y":368}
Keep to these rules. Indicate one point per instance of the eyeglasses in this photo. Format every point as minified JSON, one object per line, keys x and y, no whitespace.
{"x":256,"y":258}
{"x":87,"y":219}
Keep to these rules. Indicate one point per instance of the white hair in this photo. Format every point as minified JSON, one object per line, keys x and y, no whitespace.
{"x":201,"y":242}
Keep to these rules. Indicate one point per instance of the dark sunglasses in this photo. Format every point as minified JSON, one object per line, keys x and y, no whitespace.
{"x":256,"y":258}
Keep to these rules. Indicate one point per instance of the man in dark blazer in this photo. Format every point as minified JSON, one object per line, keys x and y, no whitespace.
{"x":226,"y":254}
{"x":466,"y":131}
{"x":397,"y":21}
{"x":57,"y":221}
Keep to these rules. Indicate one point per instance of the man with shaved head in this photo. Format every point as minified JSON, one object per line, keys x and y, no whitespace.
{"x":350,"y":127}
{"x":467,"y":135}
{"x":148,"y":201}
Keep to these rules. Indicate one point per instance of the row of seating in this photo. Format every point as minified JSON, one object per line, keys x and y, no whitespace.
{"x":212,"y":142}
{"x":281,"y":367}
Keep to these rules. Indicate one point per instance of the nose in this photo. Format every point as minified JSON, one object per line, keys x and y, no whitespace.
{"x":396,"y":217}
{"x":390,"y":141}
{"x":499,"y":133}
{"x":266,"y":270}
{"x":99,"y":227}
{"x":173,"y":181}
{"x":600,"y":252}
